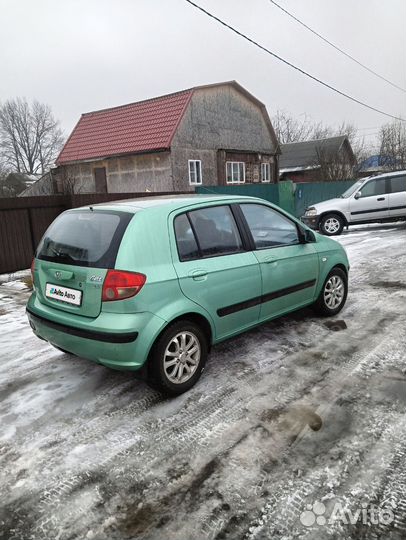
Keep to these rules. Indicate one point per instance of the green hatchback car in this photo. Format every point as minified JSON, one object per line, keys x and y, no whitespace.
{"x":150,"y":284}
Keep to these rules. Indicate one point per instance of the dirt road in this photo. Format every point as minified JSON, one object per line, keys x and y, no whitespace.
{"x":296,"y":429}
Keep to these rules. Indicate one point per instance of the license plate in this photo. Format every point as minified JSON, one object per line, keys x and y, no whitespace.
{"x":63,"y":294}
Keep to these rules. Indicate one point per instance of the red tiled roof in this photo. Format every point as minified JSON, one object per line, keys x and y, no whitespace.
{"x":138,"y":127}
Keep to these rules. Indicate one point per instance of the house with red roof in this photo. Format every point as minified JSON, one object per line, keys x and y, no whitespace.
{"x":208,"y":135}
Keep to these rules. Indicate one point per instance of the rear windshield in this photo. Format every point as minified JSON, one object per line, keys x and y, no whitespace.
{"x":84,"y":238}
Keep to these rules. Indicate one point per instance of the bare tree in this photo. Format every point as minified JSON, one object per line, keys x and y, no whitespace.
{"x":358,"y":145}
{"x":30,"y":137}
{"x":12,"y":184}
{"x":334,"y":165}
{"x":51,"y":184}
{"x":392,"y":140}
{"x":70,"y":186}
{"x":290,"y":129}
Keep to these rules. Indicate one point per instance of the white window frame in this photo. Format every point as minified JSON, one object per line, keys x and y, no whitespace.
{"x":234,"y":164}
{"x":266,"y":172}
{"x":195,"y":167}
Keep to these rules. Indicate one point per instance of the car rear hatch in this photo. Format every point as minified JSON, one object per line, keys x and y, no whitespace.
{"x":73,"y":257}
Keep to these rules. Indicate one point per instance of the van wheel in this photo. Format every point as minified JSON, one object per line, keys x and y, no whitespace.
{"x":178,"y":358}
{"x":331,"y":224}
{"x":333,"y":294}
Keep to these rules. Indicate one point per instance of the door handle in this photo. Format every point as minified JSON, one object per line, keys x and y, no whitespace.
{"x":198,"y":275}
{"x":380,"y":199}
{"x":270,"y":260}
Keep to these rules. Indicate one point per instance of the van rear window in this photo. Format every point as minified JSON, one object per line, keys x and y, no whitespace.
{"x":84,"y":238}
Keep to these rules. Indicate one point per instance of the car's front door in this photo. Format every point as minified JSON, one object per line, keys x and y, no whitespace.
{"x":373,"y":204}
{"x":215,"y":269}
{"x":397,"y":196}
{"x":289,"y":268}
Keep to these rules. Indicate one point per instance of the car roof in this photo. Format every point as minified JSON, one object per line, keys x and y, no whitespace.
{"x":172,"y":202}
{"x":384,"y":175}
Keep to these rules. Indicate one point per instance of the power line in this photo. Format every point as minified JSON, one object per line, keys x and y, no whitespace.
{"x":336,"y":47}
{"x":355,"y":100}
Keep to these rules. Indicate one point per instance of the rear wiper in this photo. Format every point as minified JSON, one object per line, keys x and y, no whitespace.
{"x":62,"y":255}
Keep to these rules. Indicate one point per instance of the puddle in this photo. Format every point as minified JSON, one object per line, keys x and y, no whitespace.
{"x":336,"y":326}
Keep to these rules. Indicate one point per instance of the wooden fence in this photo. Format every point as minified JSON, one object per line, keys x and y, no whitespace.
{"x":23,"y":221}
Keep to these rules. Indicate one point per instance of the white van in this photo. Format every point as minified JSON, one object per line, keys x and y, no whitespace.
{"x":374,"y":199}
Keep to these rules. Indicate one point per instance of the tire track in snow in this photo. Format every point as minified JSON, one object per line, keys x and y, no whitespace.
{"x":282,"y":510}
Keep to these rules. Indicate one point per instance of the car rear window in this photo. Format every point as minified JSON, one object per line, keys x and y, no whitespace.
{"x":207,"y":232}
{"x":186,"y":242}
{"x":216,"y":231}
{"x":84,"y":238}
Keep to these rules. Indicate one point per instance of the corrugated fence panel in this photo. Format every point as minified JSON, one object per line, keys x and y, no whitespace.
{"x":16,"y":249}
{"x":287,"y":196}
{"x":310,"y":193}
{"x":41,"y":218}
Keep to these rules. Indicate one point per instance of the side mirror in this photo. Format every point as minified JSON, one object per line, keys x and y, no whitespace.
{"x":309,"y":236}
{"x":306,"y":236}
{"x":357,"y":195}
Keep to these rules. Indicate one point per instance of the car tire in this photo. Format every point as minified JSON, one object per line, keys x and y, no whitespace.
{"x":331,"y":224}
{"x":333,"y":294}
{"x":172,"y":368}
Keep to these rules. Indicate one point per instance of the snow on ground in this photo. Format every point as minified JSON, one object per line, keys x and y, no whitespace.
{"x":298,"y":420}
{"x":14,"y":276}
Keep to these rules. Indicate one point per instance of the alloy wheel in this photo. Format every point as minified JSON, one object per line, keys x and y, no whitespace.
{"x":182,"y":357}
{"x":334,"y":291}
{"x":332,"y":225}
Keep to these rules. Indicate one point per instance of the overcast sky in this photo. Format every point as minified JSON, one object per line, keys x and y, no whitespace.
{"x":82,"y":55}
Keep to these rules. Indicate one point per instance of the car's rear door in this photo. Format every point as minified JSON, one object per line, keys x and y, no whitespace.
{"x":215,"y":269}
{"x":373,"y":203}
{"x":289,"y":268}
{"x":397,"y":196}
{"x":73,"y":257}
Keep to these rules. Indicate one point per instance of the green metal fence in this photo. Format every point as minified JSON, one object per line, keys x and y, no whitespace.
{"x":310,"y":193}
{"x":269,"y":192}
{"x":292,"y":197}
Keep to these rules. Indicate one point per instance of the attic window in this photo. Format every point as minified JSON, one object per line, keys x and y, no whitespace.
{"x":195,"y":172}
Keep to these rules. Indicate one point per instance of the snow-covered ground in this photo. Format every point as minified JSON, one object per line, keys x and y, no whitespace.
{"x":302,"y":418}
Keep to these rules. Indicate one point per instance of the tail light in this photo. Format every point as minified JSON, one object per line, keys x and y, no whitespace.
{"x":119,"y":285}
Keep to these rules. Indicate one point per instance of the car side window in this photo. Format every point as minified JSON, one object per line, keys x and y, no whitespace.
{"x":374,"y":187}
{"x":216,"y":231}
{"x":185,"y":239}
{"x":398,"y":184}
{"x":268,"y":227}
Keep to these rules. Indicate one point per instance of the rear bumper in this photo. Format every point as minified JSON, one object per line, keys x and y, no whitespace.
{"x":311,"y":221}
{"x":116,"y":340}
{"x":107,"y":337}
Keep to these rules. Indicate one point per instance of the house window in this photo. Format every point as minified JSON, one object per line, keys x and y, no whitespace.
{"x":235,"y":172}
{"x":265,"y":172}
{"x":195,"y":172}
